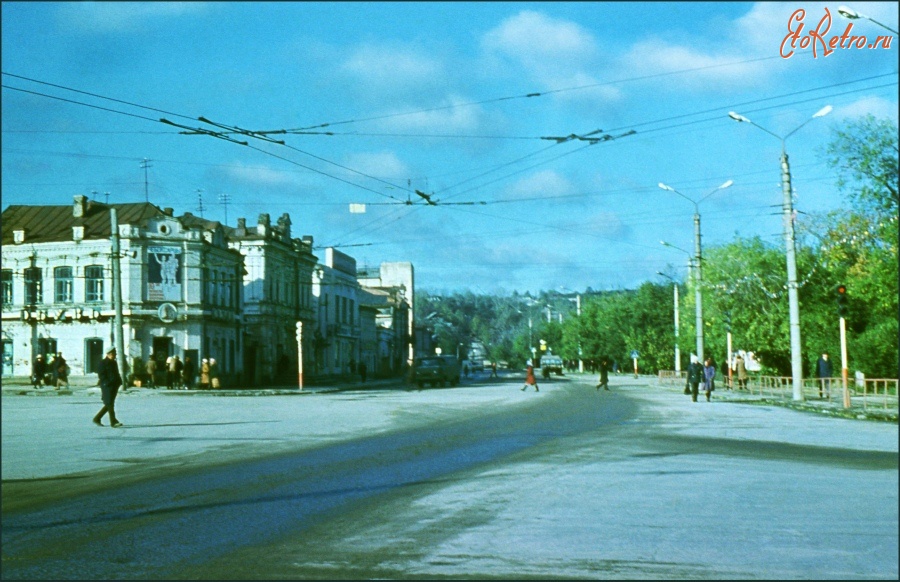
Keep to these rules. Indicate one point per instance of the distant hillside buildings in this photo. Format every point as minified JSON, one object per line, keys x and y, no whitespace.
{"x":198,"y":289}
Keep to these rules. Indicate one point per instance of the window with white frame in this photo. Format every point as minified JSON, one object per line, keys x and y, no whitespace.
{"x":93,"y":283}
{"x":63,"y":281}
{"x":33,"y":286}
{"x":6,"y":287}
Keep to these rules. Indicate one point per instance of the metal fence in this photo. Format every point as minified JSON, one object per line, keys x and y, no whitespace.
{"x":864,"y":392}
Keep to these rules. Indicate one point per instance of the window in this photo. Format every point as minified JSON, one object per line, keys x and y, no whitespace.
{"x":64,"y":281}
{"x":33,"y":286}
{"x":93,"y":283}
{"x":6,"y":287}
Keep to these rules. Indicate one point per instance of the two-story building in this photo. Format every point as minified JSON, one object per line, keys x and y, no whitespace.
{"x":180,"y":286}
{"x":277,"y":295}
{"x":337,"y":332}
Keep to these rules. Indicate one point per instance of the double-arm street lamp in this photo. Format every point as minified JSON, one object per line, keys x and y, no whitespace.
{"x":698,"y":273}
{"x":677,"y":351}
{"x":853,"y":15}
{"x":790,"y":248}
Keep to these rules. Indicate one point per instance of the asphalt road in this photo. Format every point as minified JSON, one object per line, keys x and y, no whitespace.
{"x":444,"y":498}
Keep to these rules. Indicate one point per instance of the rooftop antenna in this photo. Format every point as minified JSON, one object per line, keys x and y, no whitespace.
{"x":224,"y":199}
{"x":145,"y":163}
{"x":200,"y":207}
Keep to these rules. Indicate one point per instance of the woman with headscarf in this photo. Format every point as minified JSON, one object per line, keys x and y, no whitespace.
{"x":204,"y":374}
{"x":529,"y":378}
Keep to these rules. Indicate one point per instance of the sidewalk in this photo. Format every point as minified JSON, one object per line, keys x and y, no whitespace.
{"x":827,"y":406}
{"x":21,"y":386}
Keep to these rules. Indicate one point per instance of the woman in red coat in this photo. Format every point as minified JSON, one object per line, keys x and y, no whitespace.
{"x":529,"y":378}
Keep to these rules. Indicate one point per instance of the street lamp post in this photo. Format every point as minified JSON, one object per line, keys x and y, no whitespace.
{"x":677,"y":350}
{"x":853,"y":15}
{"x":698,"y":273}
{"x":790,"y":248}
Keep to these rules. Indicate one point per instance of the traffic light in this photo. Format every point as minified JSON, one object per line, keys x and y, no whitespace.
{"x":727,"y":319}
{"x":842,"y":300}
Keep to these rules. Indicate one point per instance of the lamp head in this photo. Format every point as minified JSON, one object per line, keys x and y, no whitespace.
{"x":848,"y":13}
{"x":664,"y":187}
{"x":823,"y":112}
{"x":738,"y":117}
{"x":726,"y":185}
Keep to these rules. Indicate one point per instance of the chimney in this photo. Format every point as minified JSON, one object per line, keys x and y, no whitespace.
{"x":241,"y":227}
{"x":168,"y":211}
{"x":262,"y":226}
{"x":80,"y":208}
{"x":284,"y":225}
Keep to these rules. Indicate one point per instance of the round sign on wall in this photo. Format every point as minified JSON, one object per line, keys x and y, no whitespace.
{"x":167,"y":312}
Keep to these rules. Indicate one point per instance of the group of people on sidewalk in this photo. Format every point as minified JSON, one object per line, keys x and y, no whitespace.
{"x":52,"y":372}
{"x":700,"y":374}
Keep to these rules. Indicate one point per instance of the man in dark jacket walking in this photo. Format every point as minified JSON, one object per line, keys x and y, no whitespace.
{"x":604,"y":374}
{"x":110,"y":380}
{"x":694,"y":377}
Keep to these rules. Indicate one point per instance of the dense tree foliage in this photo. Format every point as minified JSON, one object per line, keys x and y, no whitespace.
{"x":744,"y":290}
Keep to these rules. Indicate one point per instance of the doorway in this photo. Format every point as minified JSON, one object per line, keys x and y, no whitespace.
{"x":7,"y":362}
{"x":162,"y":349}
{"x":93,"y":354}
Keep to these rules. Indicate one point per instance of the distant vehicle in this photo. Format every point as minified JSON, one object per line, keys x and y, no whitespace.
{"x":551,"y":364}
{"x":436,"y":371}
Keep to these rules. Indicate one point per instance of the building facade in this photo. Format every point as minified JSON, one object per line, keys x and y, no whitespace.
{"x":337,"y":332}
{"x":277,"y":296}
{"x":179,"y":282}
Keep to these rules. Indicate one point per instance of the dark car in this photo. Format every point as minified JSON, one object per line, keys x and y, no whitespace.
{"x":436,"y":371}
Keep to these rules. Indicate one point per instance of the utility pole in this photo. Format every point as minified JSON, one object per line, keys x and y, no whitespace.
{"x":145,"y":163}
{"x":790,"y":250}
{"x":793,"y":297}
{"x":200,"y":207}
{"x":578,"y":312}
{"x":224,"y":199}
{"x":698,"y":280}
{"x":115,"y":257}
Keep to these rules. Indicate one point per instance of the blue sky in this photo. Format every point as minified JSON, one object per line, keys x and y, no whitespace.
{"x":455,"y":100}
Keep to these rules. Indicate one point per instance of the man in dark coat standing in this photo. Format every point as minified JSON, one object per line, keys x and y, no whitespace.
{"x":824,"y":371}
{"x":110,"y":381}
{"x":38,"y":371}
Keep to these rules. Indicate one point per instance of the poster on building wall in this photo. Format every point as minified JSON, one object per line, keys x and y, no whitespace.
{"x":164,"y":274}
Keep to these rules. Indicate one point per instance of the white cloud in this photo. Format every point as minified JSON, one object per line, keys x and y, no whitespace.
{"x":545,"y":184}
{"x":877,"y":106}
{"x":655,"y":56}
{"x":261,"y":176}
{"x":384,"y":165}
{"x":390,"y":66}
{"x":122,"y":16}
{"x":559,"y":39}
{"x":452,"y":114}
{"x":560,"y":59}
